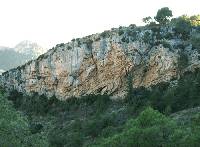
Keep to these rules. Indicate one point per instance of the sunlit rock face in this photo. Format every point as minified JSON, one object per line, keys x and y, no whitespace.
{"x":96,"y":64}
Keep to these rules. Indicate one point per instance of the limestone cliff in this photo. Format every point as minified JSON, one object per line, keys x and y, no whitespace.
{"x":101,"y":63}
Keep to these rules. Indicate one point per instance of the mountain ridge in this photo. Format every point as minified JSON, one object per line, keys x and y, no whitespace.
{"x":86,"y":65}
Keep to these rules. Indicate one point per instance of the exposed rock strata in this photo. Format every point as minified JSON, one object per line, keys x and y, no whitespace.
{"x":95,"y":64}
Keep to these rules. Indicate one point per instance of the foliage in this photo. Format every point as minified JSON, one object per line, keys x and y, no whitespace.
{"x":147,"y":20}
{"x":105,"y":34}
{"x":120,"y":32}
{"x":151,"y":129}
{"x":163,"y":15}
{"x":14,"y":128}
{"x":125,"y":39}
{"x":182,"y":26}
{"x":195,"y":40}
{"x":166,"y":44}
{"x":147,"y":38}
{"x":132,"y":26}
{"x":195,"y":20}
{"x":95,"y":120}
{"x":182,"y":60}
{"x":88,"y":43}
{"x":60,"y":45}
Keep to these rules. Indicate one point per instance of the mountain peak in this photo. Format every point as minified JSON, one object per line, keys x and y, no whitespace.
{"x":20,"y":54}
{"x":29,"y":48}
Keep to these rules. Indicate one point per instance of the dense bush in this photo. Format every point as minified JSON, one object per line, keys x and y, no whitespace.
{"x":182,"y":61}
{"x":151,"y":129}
{"x":147,"y":38}
{"x":182,"y":27}
{"x":195,"y":40}
{"x":105,"y":34}
{"x":120,"y":32}
{"x":14,"y":128}
{"x":41,"y":105}
{"x":163,"y":97}
{"x":163,"y":15}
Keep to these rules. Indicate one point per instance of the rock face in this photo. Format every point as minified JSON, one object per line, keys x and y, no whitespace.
{"x":99,"y":63}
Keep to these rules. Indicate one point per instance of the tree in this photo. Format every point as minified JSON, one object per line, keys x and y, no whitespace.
{"x":147,"y":20}
{"x":182,"y":26}
{"x":195,"y":20}
{"x":14,"y":128}
{"x":163,"y":15}
{"x":150,"y":128}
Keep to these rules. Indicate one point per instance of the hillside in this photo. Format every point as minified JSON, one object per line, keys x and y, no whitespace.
{"x":126,"y":87}
{"x":102,"y":63}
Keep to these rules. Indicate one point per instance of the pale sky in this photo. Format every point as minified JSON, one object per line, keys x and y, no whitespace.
{"x":49,"y":22}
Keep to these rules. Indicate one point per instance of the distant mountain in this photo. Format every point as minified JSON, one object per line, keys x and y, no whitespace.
{"x":20,"y":54}
{"x":29,"y":48}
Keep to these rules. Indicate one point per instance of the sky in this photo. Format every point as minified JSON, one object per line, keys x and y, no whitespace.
{"x":49,"y":22}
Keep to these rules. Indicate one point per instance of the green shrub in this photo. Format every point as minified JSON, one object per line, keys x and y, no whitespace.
{"x":105,"y":34}
{"x":147,"y":37}
{"x":95,"y":120}
{"x":120,"y":32}
{"x":125,"y":39}
{"x":182,"y":61}
{"x":69,"y":47}
{"x":163,"y":15}
{"x":14,"y":128}
{"x":195,"y":40}
{"x":89,"y":42}
{"x":132,"y":26}
{"x":60,"y":45}
{"x":166,"y":44}
{"x":150,"y":128}
{"x":182,"y":26}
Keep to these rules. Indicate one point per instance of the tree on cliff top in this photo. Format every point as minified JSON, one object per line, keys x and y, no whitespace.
{"x":163,"y":15}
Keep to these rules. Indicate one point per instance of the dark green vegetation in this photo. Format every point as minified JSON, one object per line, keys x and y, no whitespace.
{"x":15,"y":129}
{"x":141,"y":119}
{"x":163,"y":15}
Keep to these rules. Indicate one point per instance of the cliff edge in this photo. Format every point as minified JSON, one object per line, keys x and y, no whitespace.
{"x":102,"y":63}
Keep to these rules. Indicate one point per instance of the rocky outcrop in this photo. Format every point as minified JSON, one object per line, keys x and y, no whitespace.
{"x":99,"y":63}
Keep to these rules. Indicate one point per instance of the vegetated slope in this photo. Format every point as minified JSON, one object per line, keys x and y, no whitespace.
{"x":96,"y":120}
{"x":19,"y":55}
{"x":14,"y":127}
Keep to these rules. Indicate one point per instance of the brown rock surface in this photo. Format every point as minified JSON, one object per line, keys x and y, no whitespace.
{"x":94,"y":64}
